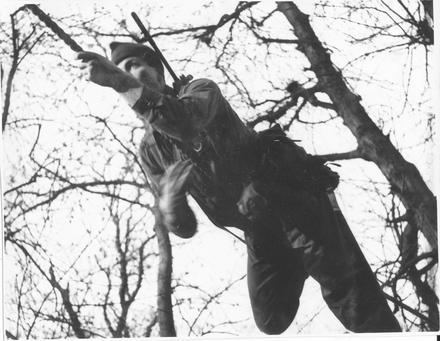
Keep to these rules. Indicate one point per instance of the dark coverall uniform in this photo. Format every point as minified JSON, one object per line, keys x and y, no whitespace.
{"x":300,"y":232}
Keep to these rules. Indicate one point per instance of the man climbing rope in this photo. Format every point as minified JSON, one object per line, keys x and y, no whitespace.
{"x":262,"y":183}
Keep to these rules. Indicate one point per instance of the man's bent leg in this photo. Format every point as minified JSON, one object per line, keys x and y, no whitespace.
{"x":332,"y":256}
{"x":275,"y":281}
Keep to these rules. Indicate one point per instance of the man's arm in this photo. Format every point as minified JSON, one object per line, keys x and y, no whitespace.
{"x":176,"y":214}
{"x":183,"y":117}
{"x":169,"y":188}
{"x":103,"y":72}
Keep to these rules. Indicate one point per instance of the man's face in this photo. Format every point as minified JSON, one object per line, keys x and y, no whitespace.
{"x":143,"y":72}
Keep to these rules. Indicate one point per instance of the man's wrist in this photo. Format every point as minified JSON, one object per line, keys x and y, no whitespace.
{"x":132,"y":96}
{"x":124,"y":84}
{"x":147,"y":99}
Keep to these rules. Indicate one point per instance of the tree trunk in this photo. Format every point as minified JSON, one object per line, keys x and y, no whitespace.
{"x":373,"y":145}
{"x":164,"y":304}
{"x":12,"y":71}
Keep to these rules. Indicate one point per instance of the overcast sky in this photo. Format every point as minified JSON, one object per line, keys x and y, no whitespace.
{"x":211,"y":259}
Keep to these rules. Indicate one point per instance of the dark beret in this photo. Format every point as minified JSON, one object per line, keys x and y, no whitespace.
{"x":120,"y":51}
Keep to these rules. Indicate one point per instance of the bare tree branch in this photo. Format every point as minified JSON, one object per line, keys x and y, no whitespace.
{"x":373,"y":145}
{"x":353,"y":154}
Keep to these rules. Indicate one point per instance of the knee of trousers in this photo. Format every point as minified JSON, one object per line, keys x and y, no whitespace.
{"x":274,"y":323}
{"x":274,"y":302}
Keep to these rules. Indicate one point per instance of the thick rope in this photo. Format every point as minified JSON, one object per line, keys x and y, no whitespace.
{"x":53,"y":27}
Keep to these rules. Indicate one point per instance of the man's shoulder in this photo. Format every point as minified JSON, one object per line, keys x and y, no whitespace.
{"x":201,"y":84}
{"x":203,"y":81}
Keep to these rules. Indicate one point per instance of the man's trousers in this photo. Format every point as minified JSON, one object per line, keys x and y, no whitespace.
{"x":306,"y":234}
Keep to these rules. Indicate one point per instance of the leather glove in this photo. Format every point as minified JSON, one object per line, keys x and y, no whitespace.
{"x":176,"y":215}
{"x":105,"y":73}
{"x":252,"y":204}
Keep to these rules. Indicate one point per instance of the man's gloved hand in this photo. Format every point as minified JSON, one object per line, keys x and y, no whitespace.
{"x":177,"y":216}
{"x":252,"y":204}
{"x":105,"y":73}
